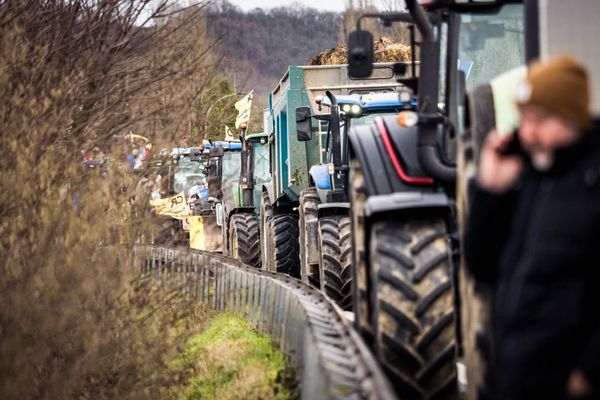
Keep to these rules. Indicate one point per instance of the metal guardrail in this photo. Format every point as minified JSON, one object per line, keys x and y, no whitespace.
{"x":330,"y":358}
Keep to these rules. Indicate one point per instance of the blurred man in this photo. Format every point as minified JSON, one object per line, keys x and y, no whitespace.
{"x":534,"y":237}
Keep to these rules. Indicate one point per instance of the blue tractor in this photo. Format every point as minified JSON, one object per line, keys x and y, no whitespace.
{"x":324,"y":208}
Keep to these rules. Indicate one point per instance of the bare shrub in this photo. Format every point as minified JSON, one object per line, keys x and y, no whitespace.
{"x":74,"y":321}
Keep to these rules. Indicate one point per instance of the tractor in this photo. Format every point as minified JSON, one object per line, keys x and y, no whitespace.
{"x":240,"y":198}
{"x":414,"y":302}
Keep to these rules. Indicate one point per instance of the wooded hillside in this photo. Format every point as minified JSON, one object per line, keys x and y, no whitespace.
{"x":259,"y":45}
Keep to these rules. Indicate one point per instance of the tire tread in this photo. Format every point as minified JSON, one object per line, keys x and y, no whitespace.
{"x":412,"y":305}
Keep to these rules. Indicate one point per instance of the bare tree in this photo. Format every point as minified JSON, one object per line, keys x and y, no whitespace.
{"x":74,"y":75}
{"x":397,"y":32}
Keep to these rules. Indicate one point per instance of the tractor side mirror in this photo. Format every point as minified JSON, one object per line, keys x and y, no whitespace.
{"x":303,"y":124}
{"x":360,"y":54}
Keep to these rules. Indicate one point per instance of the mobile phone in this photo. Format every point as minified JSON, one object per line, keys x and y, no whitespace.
{"x":514,"y":146}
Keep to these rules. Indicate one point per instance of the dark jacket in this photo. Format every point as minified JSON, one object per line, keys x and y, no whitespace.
{"x":538,"y":247}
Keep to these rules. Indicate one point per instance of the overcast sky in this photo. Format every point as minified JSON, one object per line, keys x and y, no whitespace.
{"x":329,"y":5}
{"x":325,"y":5}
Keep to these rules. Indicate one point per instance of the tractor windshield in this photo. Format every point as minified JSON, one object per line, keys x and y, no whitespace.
{"x":261,"y":169}
{"x":491,"y":43}
{"x":187,"y":174}
{"x":261,"y":163}
{"x":231,"y":168}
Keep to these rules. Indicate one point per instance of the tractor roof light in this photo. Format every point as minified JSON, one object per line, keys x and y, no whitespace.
{"x":356,"y":109}
{"x":405,"y":96}
{"x":351,"y":110}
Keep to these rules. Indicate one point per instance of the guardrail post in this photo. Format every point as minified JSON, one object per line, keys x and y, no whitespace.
{"x":262,"y":303}
{"x":254,"y":304}
{"x":243,"y":290}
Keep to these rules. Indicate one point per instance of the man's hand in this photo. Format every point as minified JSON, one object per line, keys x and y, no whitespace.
{"x":497,"y":172}
{"x":578,"y":385}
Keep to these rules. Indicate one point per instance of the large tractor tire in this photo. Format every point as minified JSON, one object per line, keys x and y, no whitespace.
{"x":307,"y":226}
{"x":360,"y":279}
{"x":244,"y":240}
{"x":335,"y":243}
{"x":266,"y":214}
{"x":282,"y":232}
{"x":412,"y":304}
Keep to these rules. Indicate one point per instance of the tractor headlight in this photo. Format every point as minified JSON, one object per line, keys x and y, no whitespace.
{"x":351,"y":110}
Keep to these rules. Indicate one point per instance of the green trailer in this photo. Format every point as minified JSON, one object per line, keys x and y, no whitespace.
{"x":297,"y":96}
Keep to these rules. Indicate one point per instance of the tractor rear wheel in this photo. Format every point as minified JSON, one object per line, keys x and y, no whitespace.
{"x":412,"y":305}
{"x":335,"y":243}
{"x":282,"y":234}
{"x":266,"y":213}
{"x":360,"y":279}
{"x":307,"y":225}
{"x":244,"y":240}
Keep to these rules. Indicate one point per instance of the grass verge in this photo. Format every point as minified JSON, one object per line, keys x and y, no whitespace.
{"x":229,"y":360}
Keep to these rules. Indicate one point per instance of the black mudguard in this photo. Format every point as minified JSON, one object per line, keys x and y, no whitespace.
{"x":413,"y":203}
{"x":381,"y":177}
{"x":327,"y":209}
{"x":388,"y":193}
{"x":270,"y":189}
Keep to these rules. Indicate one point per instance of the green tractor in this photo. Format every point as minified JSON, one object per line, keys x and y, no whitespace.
{"x":238,"y":209}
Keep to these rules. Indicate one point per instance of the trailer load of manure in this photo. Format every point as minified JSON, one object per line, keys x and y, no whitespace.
{"x":384,"y":50}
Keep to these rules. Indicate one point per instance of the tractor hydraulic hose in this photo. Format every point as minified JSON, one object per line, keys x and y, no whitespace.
{"x":427,"y":146}
{"x":433,"y":166}
{"x":428,"y":150}
{"x":338,"y":177}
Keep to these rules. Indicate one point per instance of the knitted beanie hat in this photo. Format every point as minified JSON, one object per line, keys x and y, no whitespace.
{"x":559,"y":86}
